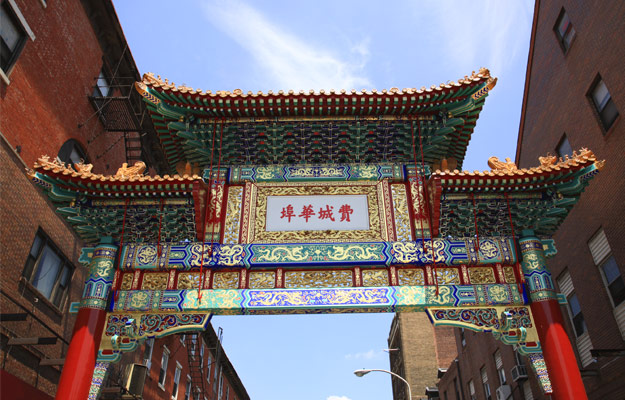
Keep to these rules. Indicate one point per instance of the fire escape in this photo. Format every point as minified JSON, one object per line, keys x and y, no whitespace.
{"x":197,"y":370}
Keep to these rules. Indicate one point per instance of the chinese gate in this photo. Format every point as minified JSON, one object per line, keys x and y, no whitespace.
{"x":318,"y":203}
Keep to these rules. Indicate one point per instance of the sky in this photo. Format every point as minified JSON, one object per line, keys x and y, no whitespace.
{"x":323,"y":44}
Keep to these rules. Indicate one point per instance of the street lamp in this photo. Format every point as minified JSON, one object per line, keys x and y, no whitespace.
{"x":362,"y":372}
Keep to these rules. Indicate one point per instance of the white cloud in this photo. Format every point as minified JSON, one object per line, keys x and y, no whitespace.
{"x":288,"y":60}
{"x":486,"y":34}
{"x":368,"y":355}
{"x":333,"y":397}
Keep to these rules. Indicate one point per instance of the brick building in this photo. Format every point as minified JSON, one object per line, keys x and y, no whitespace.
{"x":66,"y":77}
{"x":417,"y":350}
{"x":574,"y":97}
{"x":182,"y":367}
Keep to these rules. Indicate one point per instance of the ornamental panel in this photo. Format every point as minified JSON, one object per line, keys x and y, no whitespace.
{"x":481,"y":275}
{"x":233,"y":215}
{"x":402,"y":216}
{"x":410,"y":277}
{"x":375,"y":277}
{"x":156,"y":281}
{"x":262,"y":280}
{"x":317,"y":279}
{"x":508,"y":273}
{"x":447,"y":276}
{"x":127,"y":281}
{"x":189,"y":280}
{"x":225,"y":280}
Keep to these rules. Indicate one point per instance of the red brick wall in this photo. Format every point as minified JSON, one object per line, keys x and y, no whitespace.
{"x":23,"y":209}
{"x":557,"y":103}
{"x":46,"y":100}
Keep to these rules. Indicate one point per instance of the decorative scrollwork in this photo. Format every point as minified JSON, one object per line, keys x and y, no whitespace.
{"x":155,"y":281}
{"x":479,"y":275}
{"x":412,"y":277}
{"x":225,"y":280}
{"x":402,"y":217}
{"x":127,"y":281}
{"x":262,"y":280}
{"x":508,"y":273}
{"x":448,"y":276}
{"x":312,"y":279}
{"x":375,"y":277}
{"x":189,"y":280}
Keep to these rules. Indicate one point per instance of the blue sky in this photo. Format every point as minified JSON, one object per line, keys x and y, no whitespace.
{"x":282,"y":45}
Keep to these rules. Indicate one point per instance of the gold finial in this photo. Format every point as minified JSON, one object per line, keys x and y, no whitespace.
{"x":496,"y":165}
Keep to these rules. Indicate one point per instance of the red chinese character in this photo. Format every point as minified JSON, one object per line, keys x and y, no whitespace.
{"x":345,"y":211}
{"x":327,"y":213}
{"x":307,"y":212}
{"x":287,"y":212}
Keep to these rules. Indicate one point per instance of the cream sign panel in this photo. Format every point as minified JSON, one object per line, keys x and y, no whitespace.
{"x":317,"y":213}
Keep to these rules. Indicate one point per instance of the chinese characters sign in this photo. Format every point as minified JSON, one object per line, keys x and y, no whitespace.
{"x":317,"y":213}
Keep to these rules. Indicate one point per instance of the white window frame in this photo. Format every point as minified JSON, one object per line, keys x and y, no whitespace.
{"x":499,"y":365}
{"x":164,"y":365}
{"x":485,"y":385}
{"x":4,"y":75}
{"x":176,"y":388}
{"x":188,"y":388}
{"x":149,"y":342}
{"x":209,"y":363}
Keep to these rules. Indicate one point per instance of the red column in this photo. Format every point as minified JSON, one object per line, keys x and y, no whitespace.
{"x":566,"y":380}
{"x":81,"y":356}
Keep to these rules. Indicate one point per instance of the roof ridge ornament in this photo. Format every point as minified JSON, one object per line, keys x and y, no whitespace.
{"x":126,"y":172}
{"x":500,"y":166}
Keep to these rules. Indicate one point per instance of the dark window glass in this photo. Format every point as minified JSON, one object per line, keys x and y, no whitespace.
{"x":604,"y":105}
{"x":48,"y":270}
{"x":614,"y":280}
{"x":564,"y":31}
{"x":12,"y":37}
{"x":72,"y":153}
{"x":576,"y":315}
{"x":102,"y":87}
{"x":564,"y":147}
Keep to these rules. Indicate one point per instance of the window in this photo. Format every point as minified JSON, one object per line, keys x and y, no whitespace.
{"x":72,"y":153}
{"x":48,"y":270}
{"x":499,"y":366}
{"x":14,"y":32}
{"x":564,"y":147}
{"x":196,"y":396}
{"x":147,"y":354}
{"x":485,"y":383}
{"x":565,"y":284}
{"x":463,"y":340}
{"x":187,"y":389}
{"x":193,"y":345}
{"x":602,"y":255}
{"x":221,"y":385}
{"x":174,"y":392}
{"x":208,"y":367}
{"x":564,"y":31}
{"x":201,"y":355}
{"x":228,"y":393}
{"x":183,"y":337}
{"x":102,"y":87}
{"x":605,"y":107}
{"x":162,"y":375}
{"x":472,"y":390}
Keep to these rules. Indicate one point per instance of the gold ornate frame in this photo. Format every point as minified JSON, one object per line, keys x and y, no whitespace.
{"x":255,"y":212}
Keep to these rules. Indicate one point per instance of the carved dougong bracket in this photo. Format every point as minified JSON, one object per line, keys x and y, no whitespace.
{"x":512,"y":325}
{"x":124,"y":332}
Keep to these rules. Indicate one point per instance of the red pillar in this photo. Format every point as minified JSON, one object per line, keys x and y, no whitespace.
{"x":566,"y":380}
{"x":81,"y":356}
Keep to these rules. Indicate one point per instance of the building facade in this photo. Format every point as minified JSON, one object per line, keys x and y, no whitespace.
{"x":417,"y":350}
{"x":574,"y":97}
{"x":66,"y":79}
{"x":182,"y":367}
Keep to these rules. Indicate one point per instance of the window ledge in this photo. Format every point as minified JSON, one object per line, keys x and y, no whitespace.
{"x":161,"y":387}
{"x":4,"y":77}
{"x":40,"y":297}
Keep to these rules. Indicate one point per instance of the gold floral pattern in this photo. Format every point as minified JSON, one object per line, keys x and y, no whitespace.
{"x":374,"y":277}
{"x":481,"y":275}
{"x":225,"y":280}
{"x":233,"y":215}
{"x":155,"y":281}
{"x":447,"y":276}
{"x":317,"y":279}
{"x":262,"y":280}
{"x":189,"y":280}
{"x":402,"y":217}
{"x":410,"y":277}
{"x":508,"y":273}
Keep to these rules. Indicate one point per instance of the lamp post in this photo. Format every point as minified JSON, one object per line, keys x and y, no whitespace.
{"x":361,"y":372}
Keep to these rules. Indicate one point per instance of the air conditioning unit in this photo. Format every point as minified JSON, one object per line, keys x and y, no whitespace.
{"x":134,"y":379}
{"x":504,"y":392}
{"x":519,"y":373}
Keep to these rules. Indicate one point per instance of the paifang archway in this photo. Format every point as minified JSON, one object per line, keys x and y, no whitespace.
{"x":318,"y":203}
